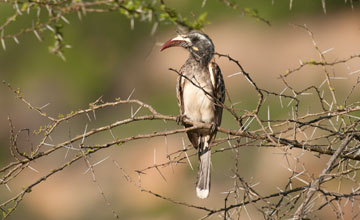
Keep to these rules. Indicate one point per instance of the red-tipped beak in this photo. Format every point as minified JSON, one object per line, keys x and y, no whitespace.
{"x":171,"y":43}
{"x":180,"y":40}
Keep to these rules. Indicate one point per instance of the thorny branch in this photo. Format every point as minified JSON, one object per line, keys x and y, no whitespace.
{"x":329,"y":131}
{"x":315,"y":184}
{"x":49,"y":16}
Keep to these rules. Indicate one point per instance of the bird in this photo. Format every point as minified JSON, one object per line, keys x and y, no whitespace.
{"x":200,"y":93}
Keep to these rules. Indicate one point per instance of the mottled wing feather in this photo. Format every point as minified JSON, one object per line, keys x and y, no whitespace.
{"x":179,"y":93}
{"x":219,"y":91}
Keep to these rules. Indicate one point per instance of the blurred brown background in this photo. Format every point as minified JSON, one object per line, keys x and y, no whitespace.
{"x":109,"y":59}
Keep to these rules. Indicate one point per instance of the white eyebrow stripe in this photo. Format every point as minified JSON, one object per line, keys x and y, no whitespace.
{"x":179,"y":37}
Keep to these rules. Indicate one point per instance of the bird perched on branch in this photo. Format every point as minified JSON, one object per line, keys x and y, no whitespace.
{"x":201,"y":94}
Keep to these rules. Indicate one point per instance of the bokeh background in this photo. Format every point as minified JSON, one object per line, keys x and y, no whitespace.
{"x":109,"y":59}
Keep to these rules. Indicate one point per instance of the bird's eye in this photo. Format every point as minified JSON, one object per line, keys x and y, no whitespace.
{"x":195,"y":48}
{"x":194,"y":40}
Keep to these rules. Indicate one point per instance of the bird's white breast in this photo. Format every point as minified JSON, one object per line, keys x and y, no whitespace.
{"x":197,"y":105}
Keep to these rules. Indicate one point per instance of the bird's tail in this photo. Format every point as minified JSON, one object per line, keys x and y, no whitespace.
{"x":203,"y":181}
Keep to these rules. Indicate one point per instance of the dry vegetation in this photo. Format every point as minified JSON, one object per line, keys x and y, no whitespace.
{"x":331,"y":128}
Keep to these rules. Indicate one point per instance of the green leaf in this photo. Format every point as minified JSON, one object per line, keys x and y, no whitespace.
{"x":25,"y":6}
{"x":202,"y":17}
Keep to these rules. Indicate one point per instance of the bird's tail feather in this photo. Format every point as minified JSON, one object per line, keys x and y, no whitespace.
{"x":203,"y":181}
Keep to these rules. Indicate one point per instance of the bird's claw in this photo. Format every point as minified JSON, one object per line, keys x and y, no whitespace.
{"x":213,"y":128}
{"x":180,"y":119}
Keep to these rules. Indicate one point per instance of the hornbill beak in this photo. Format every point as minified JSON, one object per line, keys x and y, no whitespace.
{"x":180,"y":40}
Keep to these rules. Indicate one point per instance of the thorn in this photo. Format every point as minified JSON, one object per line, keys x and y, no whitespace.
{"x":353,"y":116}
{"x":326,"y":51}
{"x":301,"y":180}
{"x":234,"y":74}
{"x":313,"y":133}
{"x":132,"y":23}
{"x":280,"y":190}
{"x":112,"y":134}
{"x":154,"y":28}
{"x":67,"y":152}
{"x":131,"y":94}
{"x":324,"y":6}
{"x":203,"y":3}
{"x":79,"y":15}
{"x":269,"y":124}
{"x":137,"y":110}
{"x":187,"y":157}
{"x":290,"y":102}
{"x":95,"y":164}
{"x":3,"y":44}
{"x":326,"y":102}
{"x":83,"y":138}
{"x":64,"y":19}
{"x":37,"y":35}
{"x":160,"y":173}
{"x":332,"y":125}
{"x":88,"y":116}
{"x":8,"y":188}
{"x":306,"y":93}
{"x":94,"y":114}
{"x":338,"y":77}
{"x":44,"y":106}
{"x":331,"y":106}
{"x":33,"y":169}
{"x":50,"y":28}
{"x":99,"y":162}
{"x":353,"y":72}
{"x":322,"y":83}
{"x":245,"y":127}
{"x":17,"y":8}
{"x":16,"y":40}
{"x":255,"y":184}
{"x":250,"y":81}
{"x":38,"y":11}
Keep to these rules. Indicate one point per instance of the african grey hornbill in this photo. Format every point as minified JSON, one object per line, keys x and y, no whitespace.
{"x":201,"y":94}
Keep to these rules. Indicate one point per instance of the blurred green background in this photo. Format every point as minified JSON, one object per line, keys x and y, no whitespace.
{"x":109,"y":59}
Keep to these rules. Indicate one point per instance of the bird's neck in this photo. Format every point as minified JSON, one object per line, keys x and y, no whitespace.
{"x":202,"y":60}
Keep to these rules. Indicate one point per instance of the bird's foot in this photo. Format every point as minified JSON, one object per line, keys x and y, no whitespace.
{"x":213,"y":128}
{"x":180,"y":119}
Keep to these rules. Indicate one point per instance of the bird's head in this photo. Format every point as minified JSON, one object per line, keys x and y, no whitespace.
{"x":197,"y":43}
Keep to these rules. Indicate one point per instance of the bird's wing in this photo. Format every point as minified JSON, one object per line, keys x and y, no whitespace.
{"x":219,"y":90}
{"x":179,"y":93}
